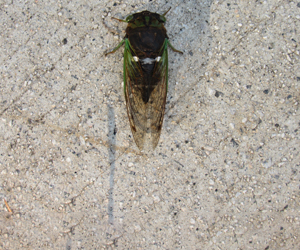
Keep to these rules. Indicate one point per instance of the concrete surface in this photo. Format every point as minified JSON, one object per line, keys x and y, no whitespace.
{"x":225,"y":174}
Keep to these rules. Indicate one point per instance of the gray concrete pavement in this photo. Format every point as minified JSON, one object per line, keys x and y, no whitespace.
{"x":225,"y":174}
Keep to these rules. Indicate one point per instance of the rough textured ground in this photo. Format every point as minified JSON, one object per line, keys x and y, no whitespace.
{"x":225,"y":174}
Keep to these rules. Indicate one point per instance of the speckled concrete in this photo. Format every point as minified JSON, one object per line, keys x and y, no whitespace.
{"x":225,"y":174}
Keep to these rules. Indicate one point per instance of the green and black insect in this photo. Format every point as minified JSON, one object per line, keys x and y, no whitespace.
{"x":145,"y":75}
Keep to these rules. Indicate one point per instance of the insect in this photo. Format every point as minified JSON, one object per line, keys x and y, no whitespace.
{"x":145,"y":75}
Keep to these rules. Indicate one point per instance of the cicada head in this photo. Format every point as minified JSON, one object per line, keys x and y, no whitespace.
{"x":145,"y":19}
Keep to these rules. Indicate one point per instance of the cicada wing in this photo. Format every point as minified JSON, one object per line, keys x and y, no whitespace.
{"x":157,"y":101}
{"x":145,"y":116}
{"x":136,"y":108}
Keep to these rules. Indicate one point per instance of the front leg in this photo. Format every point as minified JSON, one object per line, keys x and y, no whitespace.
{"x":116,"y":48}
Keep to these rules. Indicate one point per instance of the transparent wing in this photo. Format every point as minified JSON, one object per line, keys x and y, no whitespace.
{"x":145,"y":118}
{"x":136,"y":108}
{"x":157,"y":101}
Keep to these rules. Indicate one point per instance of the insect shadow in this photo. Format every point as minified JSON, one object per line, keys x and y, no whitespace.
{"x":111,"y":158}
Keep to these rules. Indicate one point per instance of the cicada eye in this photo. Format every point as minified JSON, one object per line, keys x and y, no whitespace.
{"x":129,"y":18}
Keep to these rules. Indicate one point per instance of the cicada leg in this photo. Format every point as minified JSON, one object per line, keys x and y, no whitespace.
{"x":175,"y":50}
{"x":116,"y":48}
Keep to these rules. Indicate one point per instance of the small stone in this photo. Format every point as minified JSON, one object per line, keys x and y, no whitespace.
{"x":208,"y":148}
{"x":210,"y":91}
{"x":156,"y":198}
{"x":137,"y":228}
{"x":266,"y":91}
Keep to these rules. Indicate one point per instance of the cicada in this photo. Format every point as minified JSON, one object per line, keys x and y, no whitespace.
{"x":145,"y":75}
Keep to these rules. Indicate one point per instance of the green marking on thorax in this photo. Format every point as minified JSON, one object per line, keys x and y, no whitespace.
{"x":147,"y":19}
{"x":138,"y":23}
